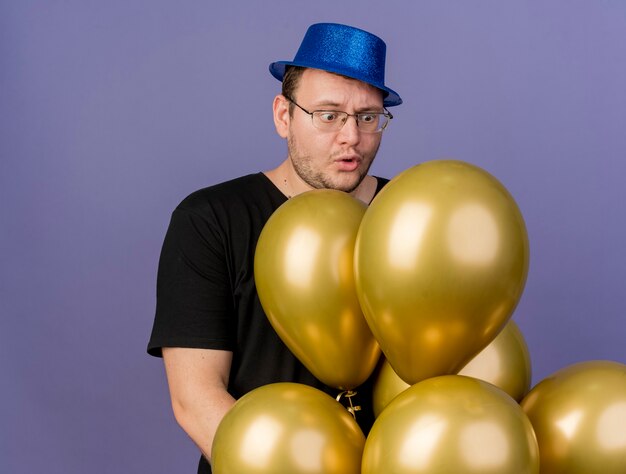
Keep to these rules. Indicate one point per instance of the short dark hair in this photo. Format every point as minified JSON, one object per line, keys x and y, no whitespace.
{"x":291,"y":79}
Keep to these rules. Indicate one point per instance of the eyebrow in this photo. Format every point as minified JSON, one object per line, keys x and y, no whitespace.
{"x":335,"y":106}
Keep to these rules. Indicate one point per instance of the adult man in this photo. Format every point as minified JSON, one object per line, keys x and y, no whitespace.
{"x":210,"y":328}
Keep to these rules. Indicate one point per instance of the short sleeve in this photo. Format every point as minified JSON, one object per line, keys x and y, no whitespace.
{"x":194,"y":296}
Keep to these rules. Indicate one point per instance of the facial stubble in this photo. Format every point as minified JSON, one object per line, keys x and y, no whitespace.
{"x":317,"y":179}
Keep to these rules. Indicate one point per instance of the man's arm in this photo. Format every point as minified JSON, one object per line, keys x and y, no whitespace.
{"x":197,"y":381}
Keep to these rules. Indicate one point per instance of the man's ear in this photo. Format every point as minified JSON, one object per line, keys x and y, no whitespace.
{"x":281,"y":115}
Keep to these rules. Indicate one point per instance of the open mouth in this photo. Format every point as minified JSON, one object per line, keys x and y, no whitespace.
{"x":348,"y":163}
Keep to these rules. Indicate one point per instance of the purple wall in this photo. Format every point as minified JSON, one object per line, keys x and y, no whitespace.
{"x":111,"y":112}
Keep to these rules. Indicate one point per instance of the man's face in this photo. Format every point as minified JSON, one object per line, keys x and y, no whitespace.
{"x":339,"y":159}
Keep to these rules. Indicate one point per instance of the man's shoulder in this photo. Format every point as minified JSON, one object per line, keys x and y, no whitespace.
{"x":243,"y":190}
{"x":225,"y":190}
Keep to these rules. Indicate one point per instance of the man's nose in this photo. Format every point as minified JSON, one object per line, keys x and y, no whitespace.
{"x":350,"y":132}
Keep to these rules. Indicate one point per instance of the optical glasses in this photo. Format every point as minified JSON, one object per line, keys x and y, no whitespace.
{"x":334,"y":120}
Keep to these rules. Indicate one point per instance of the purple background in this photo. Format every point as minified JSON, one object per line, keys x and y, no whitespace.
{"x":111,"y":112}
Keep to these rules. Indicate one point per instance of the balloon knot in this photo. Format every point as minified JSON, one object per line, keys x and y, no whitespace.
{"x":352,"y":408}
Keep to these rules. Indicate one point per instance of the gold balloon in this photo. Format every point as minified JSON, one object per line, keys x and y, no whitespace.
{"x":579,"y":416}
{"x":451,"y":424}
{"x":304,"y":275}
{"x":287,"y":428}
{"x":505,"y":363}
{"x":387,"y":385}
{"x":441,"y":261}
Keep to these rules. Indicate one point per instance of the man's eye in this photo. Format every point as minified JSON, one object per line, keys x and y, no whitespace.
{"x":367,"y":118}
{"x":328,"y":116}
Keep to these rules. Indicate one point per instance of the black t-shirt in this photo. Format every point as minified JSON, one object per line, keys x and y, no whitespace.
{"x":206,"y":297}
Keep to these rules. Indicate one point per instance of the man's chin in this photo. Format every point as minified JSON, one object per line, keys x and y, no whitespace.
{"x":340,"y":181}
{"x":347,"y":185}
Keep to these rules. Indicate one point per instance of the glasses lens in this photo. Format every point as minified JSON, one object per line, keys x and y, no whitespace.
{"x":330,"y":120}
{"x":372,"y":122}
